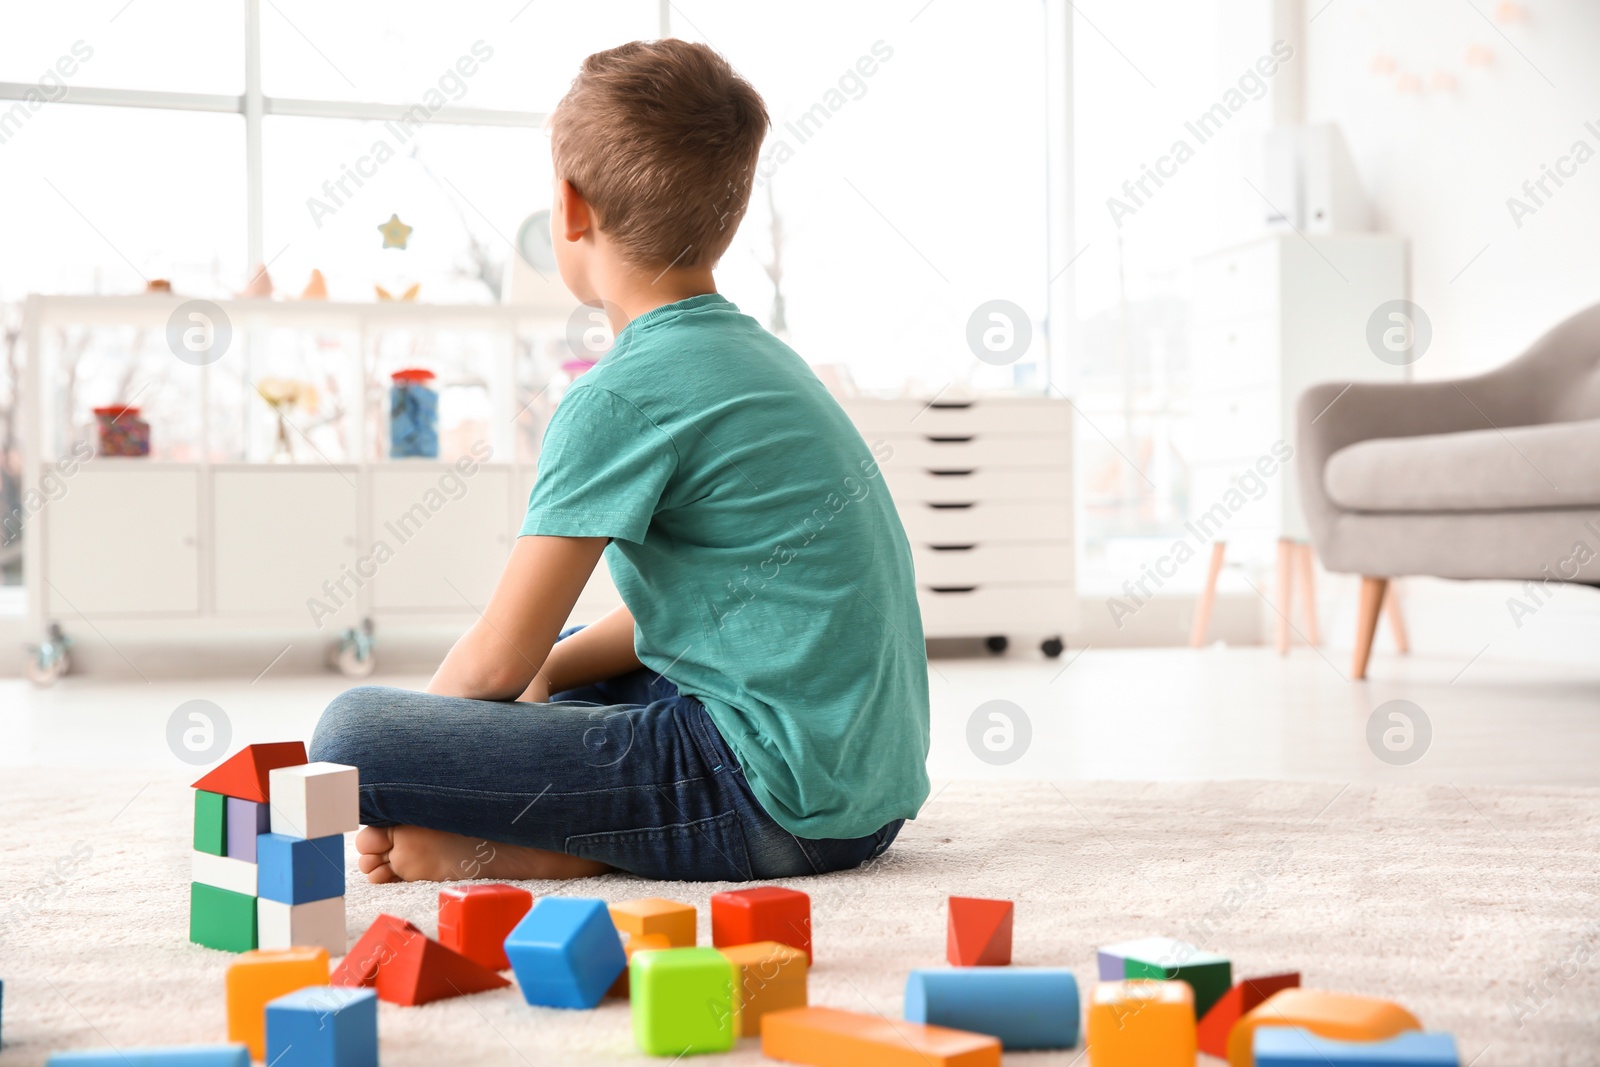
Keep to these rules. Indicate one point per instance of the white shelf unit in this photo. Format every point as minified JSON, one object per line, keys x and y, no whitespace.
{"x":168,"y":544}
{"x":984,"y":488}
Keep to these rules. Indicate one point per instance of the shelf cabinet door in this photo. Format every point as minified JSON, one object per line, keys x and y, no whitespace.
{"x":123,"y":541}
{"x":279,"y":535}
{"x":449,"y":539}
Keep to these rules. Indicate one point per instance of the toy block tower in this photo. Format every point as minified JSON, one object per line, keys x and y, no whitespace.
{"x":269,"y":851}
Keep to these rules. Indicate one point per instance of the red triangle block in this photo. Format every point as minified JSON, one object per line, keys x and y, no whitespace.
{"x":407,"y":968}
{"x":979,"y":933}
{"x":244,"y":774}
{"x":1244,"y":997}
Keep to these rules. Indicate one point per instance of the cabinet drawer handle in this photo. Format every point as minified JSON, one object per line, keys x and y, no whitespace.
{"x":953,"y":548}
{"x":951,"y":405}
{"x":953,"y":507}
{"x":955,"y":473}
{"x":953,"y":588}
{"x":950,"y":439}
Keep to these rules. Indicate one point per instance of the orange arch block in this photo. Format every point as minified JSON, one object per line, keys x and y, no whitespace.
{"x":1341,"y":1016}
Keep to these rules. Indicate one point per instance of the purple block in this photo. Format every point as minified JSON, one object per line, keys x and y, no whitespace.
{"x":1113,"y":968}
{"x":246,"y":819}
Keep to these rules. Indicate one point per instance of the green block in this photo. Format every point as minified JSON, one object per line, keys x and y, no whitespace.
{"x":682,"y":1001}
{"x":221,"y":918}
{"x":210,"y":823}
{"x":1209,"y":975}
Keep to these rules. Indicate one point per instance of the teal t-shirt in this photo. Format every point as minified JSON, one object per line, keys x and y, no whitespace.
{"x":755,"y":543}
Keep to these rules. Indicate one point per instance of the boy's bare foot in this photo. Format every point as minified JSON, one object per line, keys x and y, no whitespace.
{"x":417,"y":854}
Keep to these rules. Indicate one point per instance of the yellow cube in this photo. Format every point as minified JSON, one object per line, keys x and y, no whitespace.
{"x":768,"y":976}
{"x":267,"y":974}
{"x":652,"y":915}
{"x":1142,"y":1023}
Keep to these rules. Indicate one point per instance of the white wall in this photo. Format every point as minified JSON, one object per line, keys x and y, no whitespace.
{"x":1440,"y":163}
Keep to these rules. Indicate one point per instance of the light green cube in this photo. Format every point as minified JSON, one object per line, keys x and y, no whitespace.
{"x":210,"y":823}
{"x":683,"y":1001}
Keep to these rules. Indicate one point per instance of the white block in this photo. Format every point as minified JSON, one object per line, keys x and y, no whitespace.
{"x":314,"y":800}
{"x":308,"y":925}
{"x":225,"y":873}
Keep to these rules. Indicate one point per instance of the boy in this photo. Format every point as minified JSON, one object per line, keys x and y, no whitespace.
{"x":759,"y":707}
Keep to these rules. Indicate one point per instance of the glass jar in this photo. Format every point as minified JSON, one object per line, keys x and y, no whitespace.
{"x":121,"y":431}
{"x":413,"y":415}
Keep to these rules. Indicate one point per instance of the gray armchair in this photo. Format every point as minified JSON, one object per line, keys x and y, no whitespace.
{"x":1494,"y":476}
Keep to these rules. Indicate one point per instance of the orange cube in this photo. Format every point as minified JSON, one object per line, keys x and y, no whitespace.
{"x":632,"y":943}
{"x":768,"y":976}
{"x":475,"y":919}
{"x":1142,"y":1023}
{"x":1341,"y":1016}
{"x":266,"y":974}
{"x":653,"y":915}
{"x":828,"y":1037}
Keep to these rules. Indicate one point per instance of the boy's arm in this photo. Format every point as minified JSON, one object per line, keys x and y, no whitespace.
{"x":506,"y":648}
{"x":601,"y":650}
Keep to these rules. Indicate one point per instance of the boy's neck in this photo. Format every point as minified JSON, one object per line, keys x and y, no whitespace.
{"x":629,"y":294}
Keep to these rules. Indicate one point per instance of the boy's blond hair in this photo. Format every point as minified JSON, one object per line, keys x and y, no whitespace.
{"x":661,"y":138}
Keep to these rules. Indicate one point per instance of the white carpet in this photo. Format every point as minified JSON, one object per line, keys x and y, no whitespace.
{"x":1446,"y":900}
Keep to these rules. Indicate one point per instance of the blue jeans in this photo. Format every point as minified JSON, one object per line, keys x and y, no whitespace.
{"x":626,"y":772}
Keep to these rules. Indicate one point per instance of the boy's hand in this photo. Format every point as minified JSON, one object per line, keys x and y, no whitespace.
{"x":538,"y":691}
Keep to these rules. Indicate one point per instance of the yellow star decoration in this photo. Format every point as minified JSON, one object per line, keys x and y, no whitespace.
{"x":395,"y":233}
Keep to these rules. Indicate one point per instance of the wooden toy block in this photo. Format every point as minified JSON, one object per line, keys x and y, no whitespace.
{"x":1142,"y":1023}
{"x":979,"y":932}
{"x":829,"y":1037}
{"x":247,"y":820}
{"x":244,"y":774}
{"x":768,"y":977}
{"x":1025,"y":1007}
{"x":630,"y":945}
{"x":221,"y":919}
{"x":323,"y":1027}
{"x":653,"y":915}
{"x":1290,"y":1046}
{"x":1166,"y":959}
{"x":407,"y":968}
{"x":1341,"y":1016}
{"x":316,"y":923}
{"x":315,"y":799}
{"x":1214,"y":1028}
{"x":566,"y":952}
{"x":210,"y":823}
{"x":263,"y":975}
{"x":223,"y":872}
{"x":168,"y":1056}
{"x":475,"y":919}
{"x":765,"y":913}
{"x":294,"y":870}
{"x":683,"y":1001}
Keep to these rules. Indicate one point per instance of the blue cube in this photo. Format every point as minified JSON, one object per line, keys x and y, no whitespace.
{"x":294,"y":870}
{"x":1291,"y":1046}
{"x":566,"y":952}
{"x":169,"y":1056}
{"x":323,"y":1026}
{"x":1025,"y":1007}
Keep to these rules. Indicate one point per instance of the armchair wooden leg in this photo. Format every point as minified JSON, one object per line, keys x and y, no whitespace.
{"x":1397,"y":621}
{"x":1208,"y":597}
{"x":1372,"y":590}
{"x":1286,"y":554}
{"x":1306,"y":563}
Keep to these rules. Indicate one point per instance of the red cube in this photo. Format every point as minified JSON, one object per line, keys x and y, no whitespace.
{"x":766,"y":913}
{"x":475,"y":919}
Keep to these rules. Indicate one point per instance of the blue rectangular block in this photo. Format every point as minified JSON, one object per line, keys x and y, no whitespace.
{"x":1291,"y":1046}
{"x":323,"y":1026}
{"x":566,"y":952}
{"x":246,"y":821}
{"x":1025,"y":1007}
{"x":293,"y":870}
{"x":171,"y":1056}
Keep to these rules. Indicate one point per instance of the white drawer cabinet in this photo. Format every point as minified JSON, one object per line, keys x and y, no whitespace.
{"x":984,"y":490}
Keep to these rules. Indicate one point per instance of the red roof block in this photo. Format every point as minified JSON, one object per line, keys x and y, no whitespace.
{"x":407,"y":968}
{"x":244,"y":774}
{"x":979,"y":932}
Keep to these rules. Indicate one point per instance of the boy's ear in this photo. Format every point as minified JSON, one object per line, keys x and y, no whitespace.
{"x":574,"y":211}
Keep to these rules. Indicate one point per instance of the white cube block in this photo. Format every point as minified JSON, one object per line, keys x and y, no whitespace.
{"x":308,"y":925}
{"x":314,"y":800}
{"x":225,"y":873}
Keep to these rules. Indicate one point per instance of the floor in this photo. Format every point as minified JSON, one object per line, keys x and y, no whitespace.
{"x":1129,"y":714}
